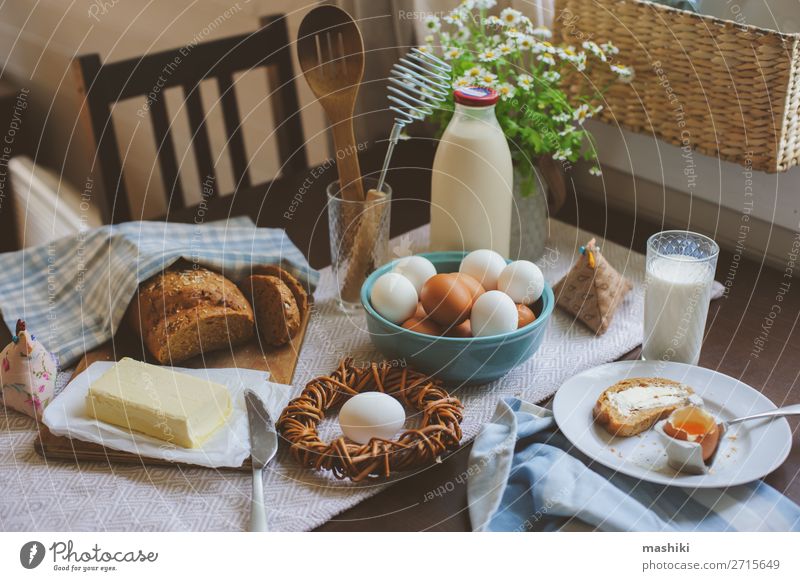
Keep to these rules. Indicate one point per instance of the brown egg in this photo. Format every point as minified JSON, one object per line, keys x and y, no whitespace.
{"x":424,"y":326}
{"x":447,"y":300}
{"x":420,"y":312}
{"x":462,"y":331}
{"x":475,"y":288}
{"x":526,"y":316}
{"x":694,"y":424}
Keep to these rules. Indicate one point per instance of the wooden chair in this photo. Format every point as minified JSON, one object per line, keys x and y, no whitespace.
{"x":103,"y":85}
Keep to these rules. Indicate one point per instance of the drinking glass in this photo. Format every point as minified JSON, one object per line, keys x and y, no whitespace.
{"x":679,"y":274}
{"x":359,"y":236}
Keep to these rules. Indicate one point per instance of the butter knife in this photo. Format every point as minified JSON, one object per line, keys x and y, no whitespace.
{"x":263,"y":445}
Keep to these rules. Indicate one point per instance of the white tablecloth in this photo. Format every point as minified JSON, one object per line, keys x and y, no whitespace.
{"x":96,"y":497}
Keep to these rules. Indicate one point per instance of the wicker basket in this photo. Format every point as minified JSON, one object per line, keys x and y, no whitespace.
{"x":712,"y":85}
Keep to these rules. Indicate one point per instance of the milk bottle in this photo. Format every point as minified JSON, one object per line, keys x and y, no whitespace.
{"x":471,"y":188}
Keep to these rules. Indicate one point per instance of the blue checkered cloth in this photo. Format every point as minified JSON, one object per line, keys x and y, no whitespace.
{"x":73,"y":292}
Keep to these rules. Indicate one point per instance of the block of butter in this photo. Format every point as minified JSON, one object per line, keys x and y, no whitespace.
{"x":159,"y":402}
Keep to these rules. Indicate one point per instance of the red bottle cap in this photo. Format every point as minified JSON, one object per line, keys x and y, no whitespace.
{"x":476,"y":96}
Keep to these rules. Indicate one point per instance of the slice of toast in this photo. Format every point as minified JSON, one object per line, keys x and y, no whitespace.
{"x":623,"y":412}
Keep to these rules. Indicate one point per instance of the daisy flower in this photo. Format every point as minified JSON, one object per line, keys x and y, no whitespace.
{"x":474,"y":72}
{"x":525,"y":82}
{"x":551,"y":76}
{"x":452,"y":53}
{"x":595,"y":171}
{"x":544,"y":46}
{"x":432,"y":23}
{"x":624,"y":73}
{"x":562,"y":154}
{"x":510,"y":17}
{"x":493,"y":21}
{"x":542,"y":32}
{"x":513,"y":33}
{"x":464,"y":81}
{"x":582,"y":113}
{"x":562,"y":118}
{"x":462,"y":34}
{"x":525,"y":42}
{"x":506,"y":91}
{"x":547,"y":59}
{"x":609,"y":48}
{"x":567,"y":130}
{"x":467,"y":4}
{"x":456,"y":17}
{"x":487,"y":78}
{"x":595,"y":49}
{"x":505,"y":48}
{"x":484,"y":4}
{"x":488,"y":55}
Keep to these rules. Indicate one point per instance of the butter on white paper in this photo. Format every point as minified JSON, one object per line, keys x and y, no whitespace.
{"x":229,"y":447}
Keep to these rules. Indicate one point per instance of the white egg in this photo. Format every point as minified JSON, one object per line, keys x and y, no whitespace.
{"x":484,"y":266}
{"x":371,"y":415}
{"x":394,"y":297}
{"x":522,"y":281}
{"x":494,"y":313}
{"x":417,"y":269}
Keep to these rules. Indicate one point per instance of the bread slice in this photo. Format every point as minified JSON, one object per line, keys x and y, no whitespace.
{"x":278,"y":316}
{"x":294,"y":285}
{"x":631,"y":406}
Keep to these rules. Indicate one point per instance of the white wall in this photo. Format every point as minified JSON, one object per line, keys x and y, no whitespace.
{"x":38,"y":40}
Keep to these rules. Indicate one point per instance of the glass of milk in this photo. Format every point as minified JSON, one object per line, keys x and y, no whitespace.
{"x":680,"y":272}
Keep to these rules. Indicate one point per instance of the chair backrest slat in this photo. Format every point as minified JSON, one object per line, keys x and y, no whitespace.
{"x":200,"y":141}
{"x":187,"y":67}
{"x":230,"y":115}
{"x":167,"y":160}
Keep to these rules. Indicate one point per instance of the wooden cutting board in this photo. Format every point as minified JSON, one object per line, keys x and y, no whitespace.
{"x":280,"y":362}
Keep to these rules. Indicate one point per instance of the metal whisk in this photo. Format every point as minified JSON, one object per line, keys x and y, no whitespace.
{"x":418,"y":83}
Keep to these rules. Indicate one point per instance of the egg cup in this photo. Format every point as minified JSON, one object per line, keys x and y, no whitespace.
{"x":690,"y":450}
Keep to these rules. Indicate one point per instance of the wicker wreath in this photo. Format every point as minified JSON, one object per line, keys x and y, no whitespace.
{"x":439,"y":430}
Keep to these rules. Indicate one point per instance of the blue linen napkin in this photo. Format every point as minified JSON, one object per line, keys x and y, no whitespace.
{"x":73,"y":292}
{"x":522,"y":479}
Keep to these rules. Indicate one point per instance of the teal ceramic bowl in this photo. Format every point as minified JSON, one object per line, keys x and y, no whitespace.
{"x":454,"y":360}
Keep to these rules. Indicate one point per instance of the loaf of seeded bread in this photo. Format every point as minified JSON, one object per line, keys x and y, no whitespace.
{"x":185,"y":311}
{"x":618,"y":424}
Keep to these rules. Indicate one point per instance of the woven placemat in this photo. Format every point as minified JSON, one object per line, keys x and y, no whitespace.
{"x":95,"y":497}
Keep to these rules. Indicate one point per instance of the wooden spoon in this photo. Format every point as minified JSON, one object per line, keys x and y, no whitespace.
{"x":331,"y":53}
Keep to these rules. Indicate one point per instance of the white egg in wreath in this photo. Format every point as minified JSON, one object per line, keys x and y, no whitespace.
{"x":371,"y":415}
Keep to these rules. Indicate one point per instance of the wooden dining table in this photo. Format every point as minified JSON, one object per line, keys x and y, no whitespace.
{"x":297,"y":203}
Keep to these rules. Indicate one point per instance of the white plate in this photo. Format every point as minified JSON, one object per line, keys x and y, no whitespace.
{"x":747,"y":452}
{"x":228,"y":447}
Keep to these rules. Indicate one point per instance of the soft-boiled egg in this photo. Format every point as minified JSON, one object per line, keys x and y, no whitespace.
{"x":371,"y":415}
{"x":493,"y":313}
{"x":522,"y":281}
{"x":694,"y":424}
{"x":484,"y":266}
{"x":394,"y":297}
{"x":417,"y":269}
